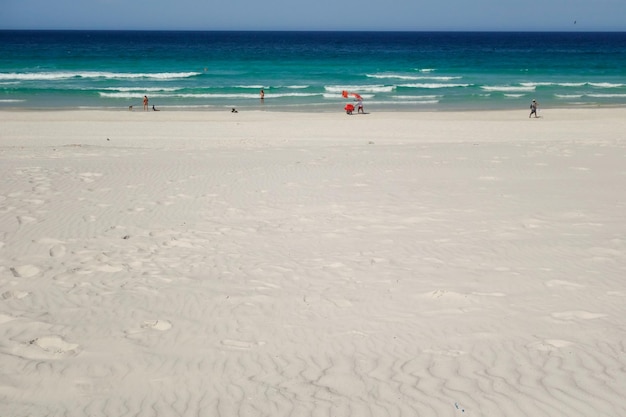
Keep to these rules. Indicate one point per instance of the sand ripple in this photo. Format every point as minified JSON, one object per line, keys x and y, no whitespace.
{"x":307,"y":267}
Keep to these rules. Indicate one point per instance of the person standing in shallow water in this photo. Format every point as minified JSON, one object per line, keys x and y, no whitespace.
{"x":533,"y":108}
{"x":262,"y":95}
{"x":145,"y":103}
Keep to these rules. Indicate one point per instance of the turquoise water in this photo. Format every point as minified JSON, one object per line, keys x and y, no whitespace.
{"x":307,"y":71}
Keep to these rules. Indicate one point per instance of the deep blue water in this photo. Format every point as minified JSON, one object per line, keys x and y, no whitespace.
{"x":307,"y":71}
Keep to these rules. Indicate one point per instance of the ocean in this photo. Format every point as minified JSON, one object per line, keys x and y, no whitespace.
{"x":307,"y":71}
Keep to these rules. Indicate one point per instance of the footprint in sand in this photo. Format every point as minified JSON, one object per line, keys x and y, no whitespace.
{"x":57,"y":251}
{"x":15,"y":295}
{"x":48,"y":347}
{"x":25,"y":271}
{"x":160,"y":325}
{"x":89,"y":176}
{"x":57,"y":247}
{"x":549,"y":345}
{"x":138,"y":334}
{"x":25,"y":220}
{"x":53,"y":344}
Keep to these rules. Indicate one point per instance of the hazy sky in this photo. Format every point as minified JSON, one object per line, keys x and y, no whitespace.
{"x":517,"y":15}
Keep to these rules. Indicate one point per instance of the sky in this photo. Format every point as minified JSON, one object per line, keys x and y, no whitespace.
{"x":375,"y":15}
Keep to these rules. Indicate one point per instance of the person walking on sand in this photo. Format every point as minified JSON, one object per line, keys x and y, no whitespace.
{"x":533,"y":108}
{"x":145,"y":103}
{"x":359,"y":106}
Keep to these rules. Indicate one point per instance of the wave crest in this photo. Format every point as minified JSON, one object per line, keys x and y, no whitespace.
{"x":38,"y":76}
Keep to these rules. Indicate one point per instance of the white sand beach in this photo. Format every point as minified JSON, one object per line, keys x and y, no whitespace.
{"x":313,"y":264}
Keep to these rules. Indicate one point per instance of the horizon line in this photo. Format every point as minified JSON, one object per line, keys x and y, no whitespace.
{"x":317,"y":30}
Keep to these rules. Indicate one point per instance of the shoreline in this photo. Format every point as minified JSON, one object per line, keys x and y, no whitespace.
{"x":317,"y":108}
{"x":328,"y":112}
{"x":246,"y":118}
{"x":201,"y":130}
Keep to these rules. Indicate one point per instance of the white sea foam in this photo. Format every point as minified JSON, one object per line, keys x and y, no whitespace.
{"x":433,"y":85}
{"x":412,"y":77}
{"x":159,"y":76}
{"x":572,"y":84}
{"x":507,"y":88}
{"x":427,"y":97}
{"x":420,"y":102}
{"x":257,"y":87}
{"x":37,"y":76}
{"x":550,"y":84}
{"x":275,"y":95}
{"x":566,"y":96}
{"x":133,"y":95}
{"x":607,"y":95}
{"x":142,"y":89}
{"x":338,"y":96}
{"x":360,"y":88}
{"x":400,"y":102}
{"x":129,"y":94}
{"x":607,"y":85}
